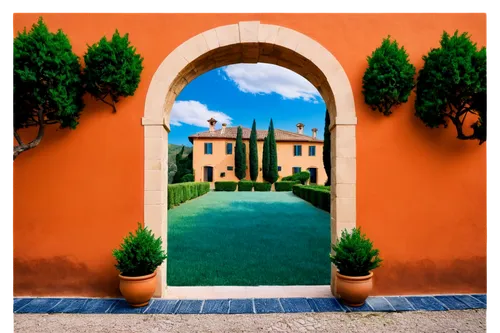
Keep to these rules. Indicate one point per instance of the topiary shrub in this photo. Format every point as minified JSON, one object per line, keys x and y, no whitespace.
{"x":302,"y":177}
{"x":389,"y":78}
{"x":317,"y":195}
{"x":354,"y":255}
{"x":285,"y":185}
{"x":287,"y":178}
{"x":112,"y":68}
{"x":48,"y":86}
{"x":226,"y":186}
{"x":245,"y":185}
{"x":452,"y":85}
{"x":262,"y":186}
{"x":140,"y":253}
{"x":187,"y":178}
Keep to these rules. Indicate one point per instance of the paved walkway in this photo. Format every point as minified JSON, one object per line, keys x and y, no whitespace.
{"x":249,"y":306}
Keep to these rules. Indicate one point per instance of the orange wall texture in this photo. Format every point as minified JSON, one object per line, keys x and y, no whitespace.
{"x":219,"y":160}
{"x":421,"y":193}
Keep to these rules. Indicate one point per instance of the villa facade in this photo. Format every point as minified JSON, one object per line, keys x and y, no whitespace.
{"x":213,"y":153}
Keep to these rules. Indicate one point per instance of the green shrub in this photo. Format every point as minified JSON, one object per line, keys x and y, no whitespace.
{"x":245,"y":185}
{"x":389,"y":78}
{"x":140,"y":253}
{"x":187,"y":178}
{"x":302,"y":177}
{"x":182,"y":192}
{"x":226,"y":186}
{"x":354,"y":254}
{"x":284,"y":185}
{"x":112,"y":68}
{"x":317,"y":195}
{"x":262,"y":187}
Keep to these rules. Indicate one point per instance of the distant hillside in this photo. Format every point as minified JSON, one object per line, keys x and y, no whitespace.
{"x":172,"y":151}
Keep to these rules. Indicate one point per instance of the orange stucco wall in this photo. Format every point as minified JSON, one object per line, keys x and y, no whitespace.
{"x":421,"y":193}
{"x":219,"y":160}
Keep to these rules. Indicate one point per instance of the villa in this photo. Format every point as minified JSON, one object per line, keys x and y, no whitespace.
{"x":213,"y":153}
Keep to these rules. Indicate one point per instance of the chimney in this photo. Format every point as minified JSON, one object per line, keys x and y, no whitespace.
{"x":212,"y":123}
{"x":223,"y":128}
{"x":314,"y":130}
{"x":300,"y":128}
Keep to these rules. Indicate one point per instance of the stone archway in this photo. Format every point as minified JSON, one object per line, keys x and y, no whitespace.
{"x":249,"y":42}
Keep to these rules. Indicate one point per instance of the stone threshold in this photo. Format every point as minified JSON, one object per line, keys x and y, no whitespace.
{"x":248,"y":305}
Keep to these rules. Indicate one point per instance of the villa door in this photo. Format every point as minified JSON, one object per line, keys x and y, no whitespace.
{"x":314,"y":175}
{"x":208,"y":173}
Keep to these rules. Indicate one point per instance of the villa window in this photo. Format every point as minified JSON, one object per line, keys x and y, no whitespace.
{"x":208,"y":148}
{"x":296,"y":170}
{"x":279,"y":168}
{"x":297,"y":150}
{"x":312,"y":150}
{"x":229,"y":148}
{"x":230,"y":168}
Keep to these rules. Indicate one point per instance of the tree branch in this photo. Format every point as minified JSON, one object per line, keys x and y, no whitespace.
{"x":112,"y":104}
{"x":458,"y":126}
{"x":41,"y":131}
{"x":18,"y":138}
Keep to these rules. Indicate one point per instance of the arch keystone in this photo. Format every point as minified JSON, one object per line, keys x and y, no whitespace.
{"x":249,"y":31}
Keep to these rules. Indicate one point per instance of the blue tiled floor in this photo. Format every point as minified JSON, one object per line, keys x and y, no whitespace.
{"x":258,"y":305}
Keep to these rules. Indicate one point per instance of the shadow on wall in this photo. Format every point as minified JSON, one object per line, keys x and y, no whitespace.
{"x":42,"y":277}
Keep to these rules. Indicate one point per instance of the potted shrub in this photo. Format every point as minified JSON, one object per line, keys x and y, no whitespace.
{"x":138,"y":257}
{"x":355,"y":258}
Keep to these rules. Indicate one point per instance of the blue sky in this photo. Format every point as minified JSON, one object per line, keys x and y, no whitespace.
{"x":237,"y":94}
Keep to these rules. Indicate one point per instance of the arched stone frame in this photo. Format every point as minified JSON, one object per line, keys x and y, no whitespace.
{"x":249,"y":42}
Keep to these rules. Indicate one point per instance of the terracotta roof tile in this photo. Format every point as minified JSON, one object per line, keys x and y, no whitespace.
{"x":230,"y":133}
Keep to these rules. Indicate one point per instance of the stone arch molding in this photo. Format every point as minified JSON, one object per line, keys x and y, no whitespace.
{"x":249,"y":42}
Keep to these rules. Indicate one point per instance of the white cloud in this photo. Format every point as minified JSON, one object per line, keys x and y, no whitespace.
{"x":195,"y":113}
{"x":264,"y":78}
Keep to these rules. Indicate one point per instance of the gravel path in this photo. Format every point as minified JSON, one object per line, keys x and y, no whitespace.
{"x":446,"y":321}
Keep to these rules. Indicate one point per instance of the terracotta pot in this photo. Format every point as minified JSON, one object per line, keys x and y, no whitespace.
{"x":354,"y":290}
{"x":138,"y":290}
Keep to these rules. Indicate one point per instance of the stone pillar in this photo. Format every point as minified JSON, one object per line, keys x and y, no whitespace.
{"x":343,"y":183}
{"x":155,"y":190}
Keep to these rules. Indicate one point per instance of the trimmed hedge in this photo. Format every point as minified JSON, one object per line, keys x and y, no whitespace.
{"x":285,"y":185}
{"x":182,"y":192}
{"x":317,"y":195}
{"x":226,"y":186}
{"x":302,"y":177}
{"x":245,"y":185}
{"x":262,"y":187}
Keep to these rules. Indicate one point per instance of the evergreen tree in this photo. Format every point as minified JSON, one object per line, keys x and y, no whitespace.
{"x":327,"y":162}
{"x":254,"y":158}
{"x":265,"y":159}
{"x":240,"y":162}
{"x":183,"y":164}
{"x":273,"y":155}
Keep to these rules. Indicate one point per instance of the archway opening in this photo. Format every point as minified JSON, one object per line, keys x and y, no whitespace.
{"x":250,"y":42}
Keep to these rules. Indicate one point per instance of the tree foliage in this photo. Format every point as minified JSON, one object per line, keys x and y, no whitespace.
{"x":112,"y":68}
{"x":389,"y":78}
{"x":184,"y":166}
{"x":140,"y":253}
{"x":254,"y":158}
{"x":327,"y":162}
{"x":265,"y":159}
{"x":47,"y":83}
{"x":240,"y":161}
{"x":452,"y":84}
{"x":273,"y":155}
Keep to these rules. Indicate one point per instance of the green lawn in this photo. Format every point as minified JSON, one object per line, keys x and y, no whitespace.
{"x":248,"y":239}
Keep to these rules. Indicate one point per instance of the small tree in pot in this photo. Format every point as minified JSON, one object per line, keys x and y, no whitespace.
{"x":138,"y":257}
{"x":355,"y":258}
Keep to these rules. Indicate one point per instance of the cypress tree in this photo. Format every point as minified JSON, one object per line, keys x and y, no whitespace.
{"x":265,"y":159}
{"x":327,"y":162}
{"x":240,"y":163}
{"x":273,"y":155}
{"x":254,"y":158}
